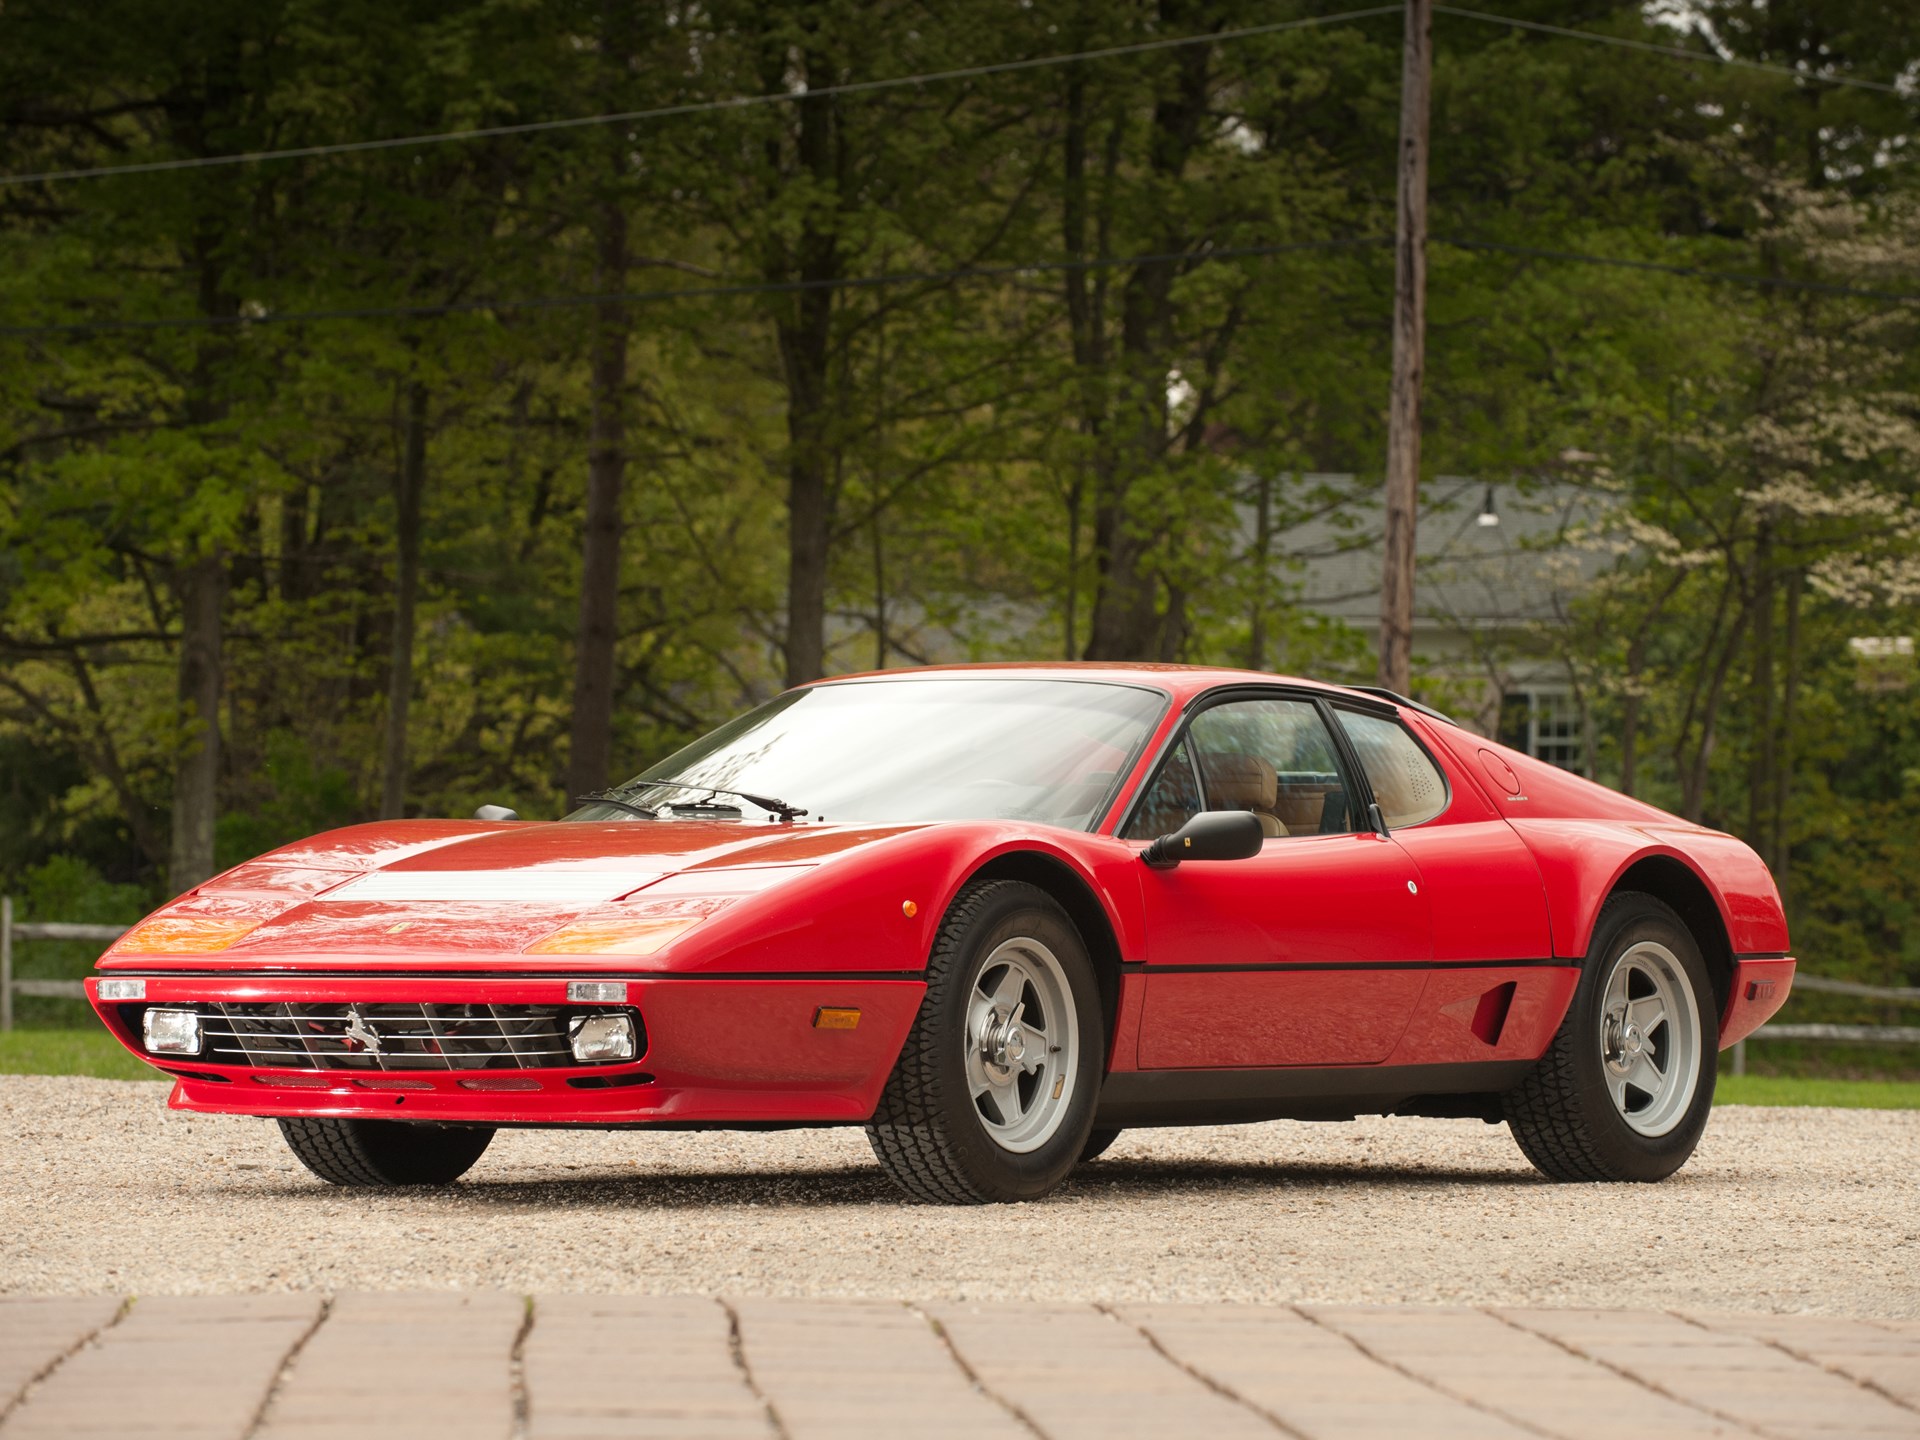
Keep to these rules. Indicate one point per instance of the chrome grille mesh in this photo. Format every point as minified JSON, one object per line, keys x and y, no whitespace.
{"x":387,"y":1036}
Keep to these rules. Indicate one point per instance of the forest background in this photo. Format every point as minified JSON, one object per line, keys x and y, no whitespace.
{"x":395,"y":480}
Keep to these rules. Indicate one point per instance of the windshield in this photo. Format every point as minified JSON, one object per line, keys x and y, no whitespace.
{"x":1050,"y":751}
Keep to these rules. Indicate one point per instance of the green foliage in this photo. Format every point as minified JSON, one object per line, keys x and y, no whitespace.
{"x":66,"y":887}
{"x":1061,"y":459}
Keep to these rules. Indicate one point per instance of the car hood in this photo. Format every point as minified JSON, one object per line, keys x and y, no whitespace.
{"x":404,"y":889}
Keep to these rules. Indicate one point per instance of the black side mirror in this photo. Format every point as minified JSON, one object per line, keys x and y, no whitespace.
{"x":1210,"y":835}
{"x":495,"y":812}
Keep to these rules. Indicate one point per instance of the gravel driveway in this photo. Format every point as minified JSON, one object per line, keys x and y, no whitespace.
{"x":103,"y":1190}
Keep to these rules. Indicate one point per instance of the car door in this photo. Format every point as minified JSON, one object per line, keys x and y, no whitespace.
{"x":1482,"y":885}
{"x":1309,"y":953}
{"x":1494,"y":991}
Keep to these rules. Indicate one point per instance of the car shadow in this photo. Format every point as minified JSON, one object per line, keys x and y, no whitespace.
{"x":861,"y":1186}
{"x":1140,"y":1178}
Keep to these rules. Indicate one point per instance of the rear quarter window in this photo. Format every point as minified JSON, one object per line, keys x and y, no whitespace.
{"x":1406,"y":783}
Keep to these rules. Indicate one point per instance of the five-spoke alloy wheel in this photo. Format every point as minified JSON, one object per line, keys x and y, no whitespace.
{"x":993,"y":1094}
{"x":1022,"y":1045}
{"x":1650,"y":1038}
{"x":1624,"y":1090}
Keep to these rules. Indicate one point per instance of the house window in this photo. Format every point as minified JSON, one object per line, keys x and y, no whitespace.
{"x":1545,"y":723}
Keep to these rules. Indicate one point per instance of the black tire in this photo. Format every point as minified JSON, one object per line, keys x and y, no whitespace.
{"x":385,"y":1152}
{"x":1097,"y":1143}
{"x":927,"y":1133}
{"x":1563,"y":1115}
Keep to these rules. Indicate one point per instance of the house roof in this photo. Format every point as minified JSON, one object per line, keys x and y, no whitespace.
{"x":1467,"y":575}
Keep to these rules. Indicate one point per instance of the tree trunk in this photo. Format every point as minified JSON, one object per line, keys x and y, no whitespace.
{"x":293,"y":544}
{"x":1760,"y":764}
{"x":806,"y":335}
{"x":1126,"y":622}
{"x":409,"y":482}
{"x":1086,"y":292}
{"x":1262,"y":559}
{"x":1694,"y":786}
{"x":1781,"y":849}
{"x":591,"y":753}
{"x":1630,"y":716}
{"x":880,"y":641}
{"x":1409,"y":346}
{"x":1076,"y":492}
{"x":202,"y":587}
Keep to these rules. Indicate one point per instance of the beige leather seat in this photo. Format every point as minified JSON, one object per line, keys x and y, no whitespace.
{"x":1303,"y":808}
{"x":1243,"y":782}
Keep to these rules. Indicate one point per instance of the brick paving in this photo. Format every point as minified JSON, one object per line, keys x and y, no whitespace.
{"x":572,"y":1367}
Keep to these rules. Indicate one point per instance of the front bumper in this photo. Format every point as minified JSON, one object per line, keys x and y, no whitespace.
{"x":1761,"y":984}
{"x":737,"y":1050}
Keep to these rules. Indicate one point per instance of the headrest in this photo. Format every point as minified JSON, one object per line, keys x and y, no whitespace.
{"x":1237,"y":781}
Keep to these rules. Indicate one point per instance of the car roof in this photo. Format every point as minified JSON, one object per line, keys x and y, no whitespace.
{"x":1182,"y":682}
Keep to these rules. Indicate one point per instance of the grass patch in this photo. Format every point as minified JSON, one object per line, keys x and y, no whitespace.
{"x":71,"y":1052}
{"x":1795,"y":1090}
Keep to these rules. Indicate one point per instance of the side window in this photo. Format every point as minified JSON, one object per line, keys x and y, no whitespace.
{"x":1171,"y":800}
{"x":1405,"y":781}
{"x":1275,"y":758}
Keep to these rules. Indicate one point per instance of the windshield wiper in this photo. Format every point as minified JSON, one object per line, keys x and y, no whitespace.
{"x":764,"y":802}
{"x":607,"y":797}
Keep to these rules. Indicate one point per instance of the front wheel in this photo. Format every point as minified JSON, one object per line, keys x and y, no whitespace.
{"x":1624,"y":1090}
{"x":992,"y":1098}
{"x":385,"y":1152}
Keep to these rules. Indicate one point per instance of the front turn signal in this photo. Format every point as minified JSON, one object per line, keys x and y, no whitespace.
{"x":185,"y":934}
{"x":634,"y":935}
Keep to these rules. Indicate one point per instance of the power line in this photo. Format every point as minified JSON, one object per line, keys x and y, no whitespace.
{"x":1678,"y":51}
{"x":743,"y":102}
{"x":703,"y":107}
{"x":436,"y":310}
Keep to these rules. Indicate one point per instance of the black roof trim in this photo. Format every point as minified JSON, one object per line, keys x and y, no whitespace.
{"x":1398,"y":699}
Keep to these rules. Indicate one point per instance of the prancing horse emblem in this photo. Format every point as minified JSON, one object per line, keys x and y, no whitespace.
{"x":357,"y":1034}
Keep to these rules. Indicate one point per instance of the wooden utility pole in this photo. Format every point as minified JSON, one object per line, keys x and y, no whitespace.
{"x":1409,"y":353}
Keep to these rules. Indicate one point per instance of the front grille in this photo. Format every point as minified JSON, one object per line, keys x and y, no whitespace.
{"x":389,"y":1036}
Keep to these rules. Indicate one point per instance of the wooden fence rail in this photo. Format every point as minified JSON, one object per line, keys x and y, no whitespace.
{"x":41,"y":930}
{"x":1855,"y":1034}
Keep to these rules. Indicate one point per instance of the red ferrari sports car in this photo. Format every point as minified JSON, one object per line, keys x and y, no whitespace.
{"x":995,"y":914}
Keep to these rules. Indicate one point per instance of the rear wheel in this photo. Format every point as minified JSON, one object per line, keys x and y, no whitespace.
{"x":1097,"y":1143}
{"x":1624,"y":1091}
{"x":385,"y":1152}
{"x":992,"y":1097}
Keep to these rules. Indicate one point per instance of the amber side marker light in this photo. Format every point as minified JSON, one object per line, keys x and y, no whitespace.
{"x":829,"y":1018}
{"x":185,"y":935}
{"x":614,"y":937}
